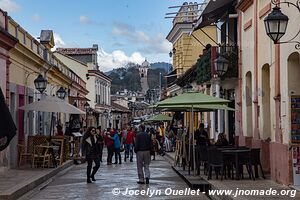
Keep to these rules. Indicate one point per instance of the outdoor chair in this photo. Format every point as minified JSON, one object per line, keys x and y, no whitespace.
{"x":203,"y":158}
{"x":215,"y":160}
{"x":245,"y":160}
{"x":255,"y":161}
{"x":228,"y":165}
{"x":23,"y":155}
{"x":40,"y":156}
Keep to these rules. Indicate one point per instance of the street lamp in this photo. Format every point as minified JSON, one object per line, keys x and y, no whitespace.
{"x":275,"y":24}
{"x":40,"y":83}
{"x":86,"y":106}
{"x":61,"y":93}
{"x":221,"y":66}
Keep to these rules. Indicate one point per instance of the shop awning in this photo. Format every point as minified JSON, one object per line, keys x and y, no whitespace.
{"x":214,"y":11}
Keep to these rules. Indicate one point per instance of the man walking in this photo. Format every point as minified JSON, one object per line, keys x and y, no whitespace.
{"x":129,"y":137}
{"x":143,"y":157}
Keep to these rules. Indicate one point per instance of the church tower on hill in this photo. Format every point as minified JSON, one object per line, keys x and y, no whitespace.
{"x":143,"y":70}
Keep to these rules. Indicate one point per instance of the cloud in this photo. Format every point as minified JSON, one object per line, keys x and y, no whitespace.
{"x":116,"y":59}
{"x":59,"y":42}
{"x":36,"y":18}
{"x":9,"y":6}
{"x":156,"y":44}
{"x":85,"y":20}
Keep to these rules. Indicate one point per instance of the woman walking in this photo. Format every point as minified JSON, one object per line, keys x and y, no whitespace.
{"x":92,"y":152}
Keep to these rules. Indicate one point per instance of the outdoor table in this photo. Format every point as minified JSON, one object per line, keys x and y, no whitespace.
{"x":235,"y":153}
{"x":51,"y":150}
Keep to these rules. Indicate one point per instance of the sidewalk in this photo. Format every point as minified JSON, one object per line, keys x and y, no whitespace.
{"x":237,"y":185}
{"x":16,"y":182}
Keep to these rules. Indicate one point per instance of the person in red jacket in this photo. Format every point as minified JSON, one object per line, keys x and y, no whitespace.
{"x":110,"y":146}
{"x":128,"y":143}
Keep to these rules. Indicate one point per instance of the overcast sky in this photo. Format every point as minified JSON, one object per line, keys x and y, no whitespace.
{"x":125,"y":30}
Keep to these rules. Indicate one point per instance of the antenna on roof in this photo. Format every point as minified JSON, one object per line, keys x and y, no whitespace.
{"x":186,"y":5}
{"x":188,"y":12}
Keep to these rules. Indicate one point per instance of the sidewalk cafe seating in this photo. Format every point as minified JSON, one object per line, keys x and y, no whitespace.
{"x":23,"y":155}
{"x":255,"y":161}
{"x":202,"y":158}
{"x":245,"y":160}
{"x":215,"y":160}
{"x":41,"y":156}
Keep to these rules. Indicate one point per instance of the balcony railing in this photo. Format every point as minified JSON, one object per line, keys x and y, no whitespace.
{"x":205,"y":64}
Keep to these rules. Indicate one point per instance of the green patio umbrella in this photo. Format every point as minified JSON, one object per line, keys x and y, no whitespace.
{"x":189,"y":101}
{"x":192,"y":98}
{"x":159,"y":118}
{"x":199,"y":108}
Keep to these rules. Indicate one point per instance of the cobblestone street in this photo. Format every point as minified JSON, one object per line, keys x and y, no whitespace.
{"x":72,"y":185}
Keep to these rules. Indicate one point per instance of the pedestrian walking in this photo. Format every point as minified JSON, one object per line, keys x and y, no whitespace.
{"x":143,"y":157}
{"x":117,"y":147}
{"x":110,"y":146}
{"x":101,"y":141}
{"x":92,"y":152}
{"x":128,"y":143}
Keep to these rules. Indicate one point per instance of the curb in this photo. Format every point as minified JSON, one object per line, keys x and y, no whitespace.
{"x":23,"y":188}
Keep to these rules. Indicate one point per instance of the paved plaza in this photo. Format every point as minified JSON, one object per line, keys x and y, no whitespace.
{"x":113,"y":178}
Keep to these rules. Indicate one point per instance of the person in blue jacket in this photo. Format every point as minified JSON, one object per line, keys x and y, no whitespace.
{"x":117,"y":146}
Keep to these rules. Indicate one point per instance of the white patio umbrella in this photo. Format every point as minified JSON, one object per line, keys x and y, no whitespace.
{"x":53,"y":105}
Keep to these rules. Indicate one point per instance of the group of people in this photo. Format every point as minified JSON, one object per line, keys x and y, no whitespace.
{"x":202,"y":139}
{"x":117,"y":141}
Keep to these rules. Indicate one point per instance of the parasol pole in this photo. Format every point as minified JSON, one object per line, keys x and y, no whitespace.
{"x":194,"y":157}
{"x":189,"y":147}
{"x":51,"y":126}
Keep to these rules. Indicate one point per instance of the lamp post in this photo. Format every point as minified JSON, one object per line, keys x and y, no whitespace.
{"x":61,"y":93}
{"x":276,"y":23}
{"x":40,"y":83}
{"x":221,"y":65}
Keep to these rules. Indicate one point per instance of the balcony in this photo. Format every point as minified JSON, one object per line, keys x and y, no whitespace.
{"x":230,"y":52}
{"x":205,"y":68}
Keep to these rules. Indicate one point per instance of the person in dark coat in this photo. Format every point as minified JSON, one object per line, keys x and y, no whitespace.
{"x":142,"y":149}
{"x":101,"y":141}
{"x":201,"y":136}
{"x":92,"y":151}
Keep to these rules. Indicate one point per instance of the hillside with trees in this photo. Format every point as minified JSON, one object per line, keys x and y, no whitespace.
{"x":128,"y":78}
